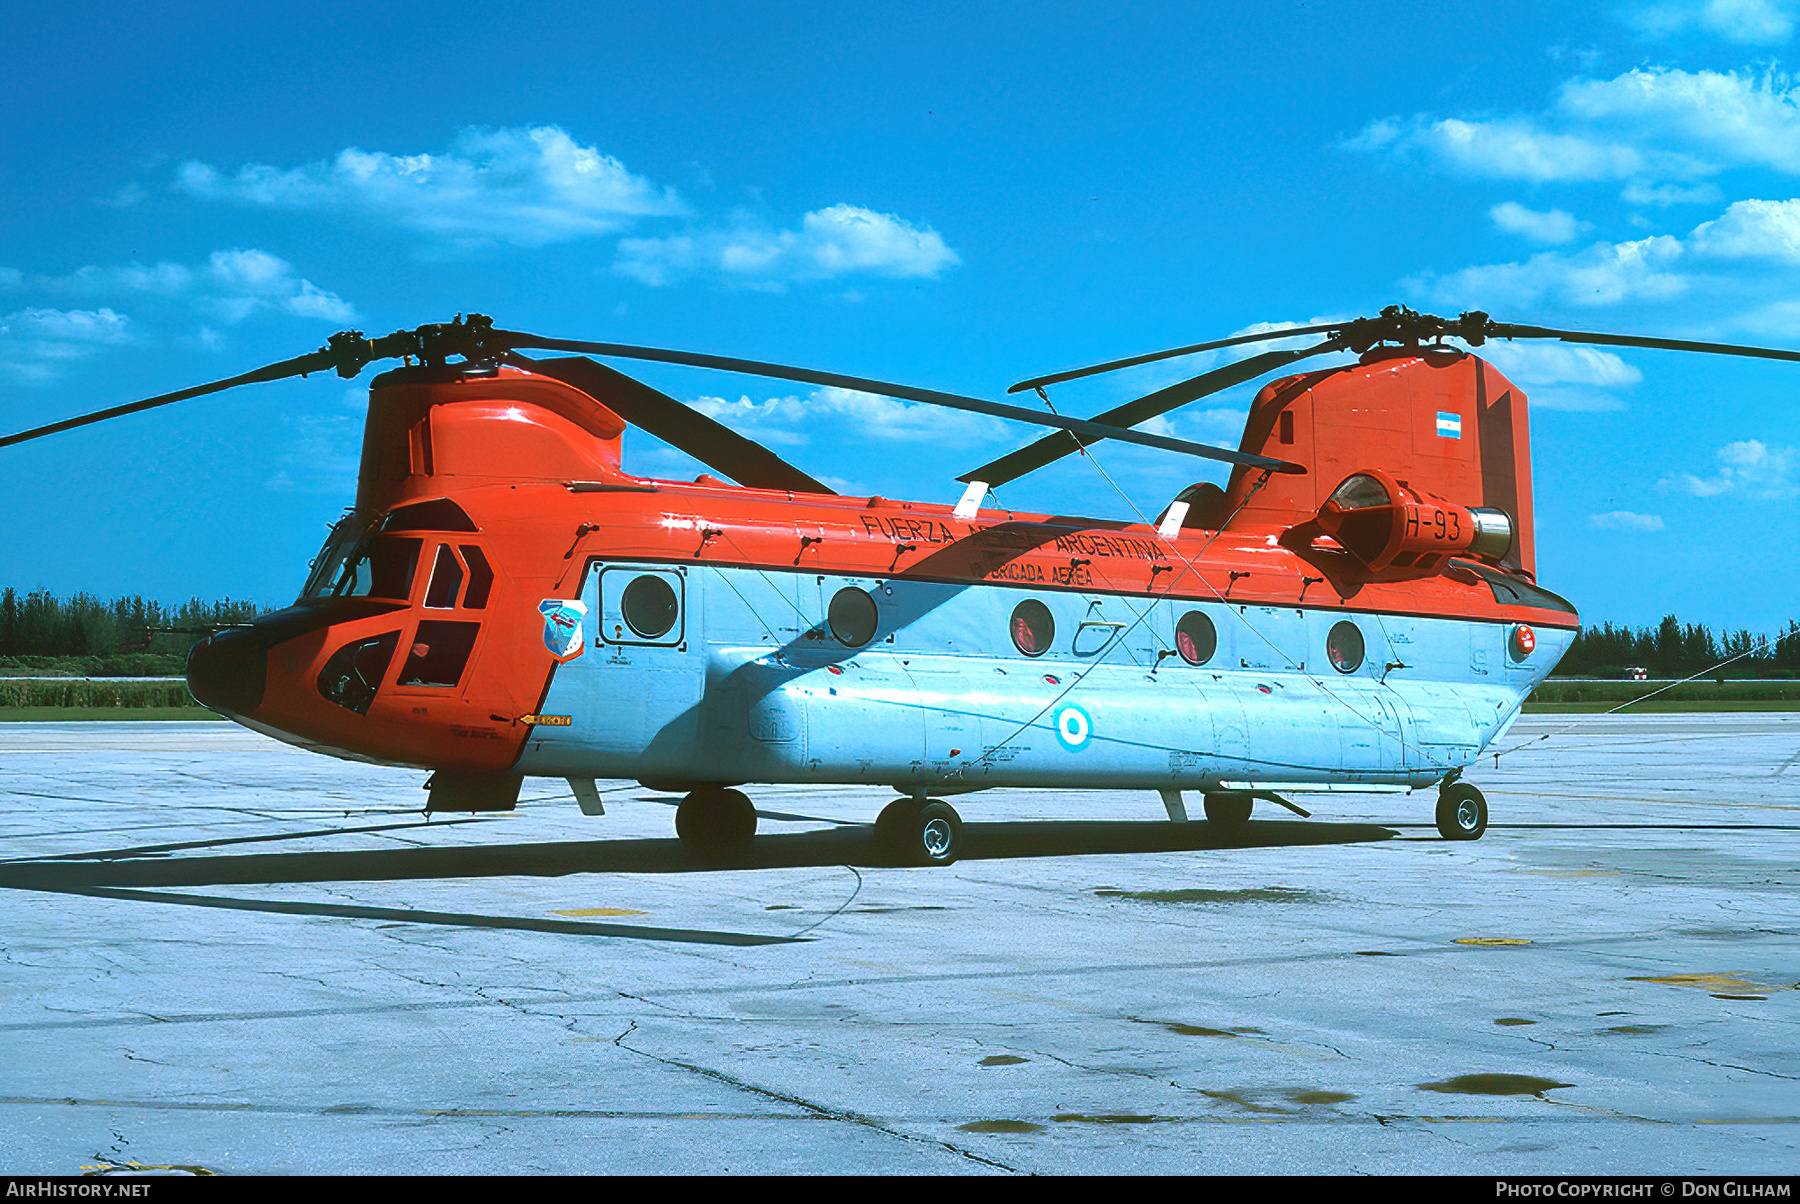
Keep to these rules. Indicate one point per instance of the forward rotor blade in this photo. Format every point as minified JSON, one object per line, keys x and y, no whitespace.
{"x":1038,"y":382}
{"x":1512,"y":330}
{"x":953,"y":401}
{"x":316,"y":361}
{"x":714,"y":445}
{"x":1051,"y":448}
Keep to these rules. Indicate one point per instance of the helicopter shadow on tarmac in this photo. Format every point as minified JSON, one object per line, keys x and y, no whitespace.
{"x":137,"y":878}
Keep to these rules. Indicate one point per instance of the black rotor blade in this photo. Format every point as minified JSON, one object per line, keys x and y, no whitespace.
{"x":1054,"y":447}
{"x":1093,"y":431}
{"x":1039,"y":382}
{"x":714,"y":445}
{"x":1512,"y":330}
{"x":316,"y":361}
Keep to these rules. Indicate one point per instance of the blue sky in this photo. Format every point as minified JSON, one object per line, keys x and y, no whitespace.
{"x":953,"y":196}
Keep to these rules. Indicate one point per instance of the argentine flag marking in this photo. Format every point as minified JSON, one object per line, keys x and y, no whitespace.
{"x":1449,"y":425}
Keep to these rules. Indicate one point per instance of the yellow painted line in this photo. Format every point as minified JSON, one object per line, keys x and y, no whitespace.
{"x":600,"y":911}
{"x":1491,"y":940}
{"x":1750,"y":1120}
{"x":1708,"y":982}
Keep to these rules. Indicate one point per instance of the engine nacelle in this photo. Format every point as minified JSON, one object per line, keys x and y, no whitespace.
{"x":1386,"y":525}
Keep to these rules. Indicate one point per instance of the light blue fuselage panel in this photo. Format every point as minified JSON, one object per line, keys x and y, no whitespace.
{"x":749,"y":684}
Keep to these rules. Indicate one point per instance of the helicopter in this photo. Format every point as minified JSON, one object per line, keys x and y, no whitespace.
{"x":1356,"y":611}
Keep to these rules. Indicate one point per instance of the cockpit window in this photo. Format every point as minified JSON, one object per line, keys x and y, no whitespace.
{"x":328,"y":565}
{"x":383,"y":570}
{"x":440,"y":514}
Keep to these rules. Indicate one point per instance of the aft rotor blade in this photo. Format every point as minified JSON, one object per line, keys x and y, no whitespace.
{"x":316,"y":361}
{"x":713,"y":444}
{"x":1511,"y":330}
{"x":1093,"y":431}
{"x":1055,"y":378}
{"x":1051,"y":448}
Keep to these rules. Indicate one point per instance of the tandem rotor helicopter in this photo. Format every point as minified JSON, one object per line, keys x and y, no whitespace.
{"x":1356,"y":611}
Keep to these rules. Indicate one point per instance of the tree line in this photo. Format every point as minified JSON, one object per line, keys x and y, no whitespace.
{"x":1673,"y":649}
{"x":40,"y":624}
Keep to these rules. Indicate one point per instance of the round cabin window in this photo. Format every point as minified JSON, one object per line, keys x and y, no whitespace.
{"x":1032,"y":627}
{"x":650,"y":607}
{"x":1345,"y":646}
{"x":852,"y":617}
{"x":1196,"y":638}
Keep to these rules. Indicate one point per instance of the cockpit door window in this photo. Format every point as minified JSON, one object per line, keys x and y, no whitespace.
{"x":446,"y":580}
{"x":481,"y":577}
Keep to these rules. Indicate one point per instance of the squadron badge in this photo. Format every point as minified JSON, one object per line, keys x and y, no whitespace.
{"x":562,"y":628}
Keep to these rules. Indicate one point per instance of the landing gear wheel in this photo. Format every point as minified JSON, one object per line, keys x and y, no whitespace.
{"x":1228,"y":810}
{"x":920,"y":834}
{"x":892,"y":825}
{"x":716,"y":820}
{"x":1461,"y":812}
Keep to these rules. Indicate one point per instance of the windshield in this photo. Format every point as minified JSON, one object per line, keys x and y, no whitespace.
{"x":383,"y":568}
{"x":329,"y":563}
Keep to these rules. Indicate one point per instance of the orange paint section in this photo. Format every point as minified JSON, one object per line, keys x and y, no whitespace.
{"x":507,"y":447}
{"x":1384,"y":414}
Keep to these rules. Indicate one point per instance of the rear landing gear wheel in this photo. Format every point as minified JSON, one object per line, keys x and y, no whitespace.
{"x":715,"y":820}
{"x":1228,"y":810}
{"x":1461,"y":812}
{"x":892,"y":824}
{"x":916,"y":833}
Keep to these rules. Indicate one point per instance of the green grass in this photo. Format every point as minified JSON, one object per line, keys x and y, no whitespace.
{"x":1659,"y":707}
{"x":119,"y":664}
{"x":99,"y":695}
{"x":101,"y":714}
{"x":1587,"y":697}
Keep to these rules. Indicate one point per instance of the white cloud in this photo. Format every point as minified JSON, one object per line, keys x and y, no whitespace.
{"x":1603,"y":274}
{"x":230,"y":287}
{"x":1646,"y":126}
{"x":1625,"y":520}
{"x":1559,"y":376}
{"x":324,"y":450}
{"x":792,"y":421}
{"x":1516,"y":149}
{"x":1745,"y":22}
{"x":1777,"y":320}
{"x":525,"y":187}
{"x":1671,"y":194}
{"x":1750,"y":468}
{"x":842,"y":240}
{"x":246,"y":281}
{"x":1545,"y":363}
{"x":34,"y":341}
{"x":69,"y":325}
{"x":1752,"y":230}
{"x":1547,"y":229}
{"x":1735,"y":118}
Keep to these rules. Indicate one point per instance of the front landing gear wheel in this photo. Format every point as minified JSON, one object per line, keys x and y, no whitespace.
{"x":716,"y":820}
{"x":1228,"y":809}
{"x":915,"y":833}
{"x":1461,"y":812}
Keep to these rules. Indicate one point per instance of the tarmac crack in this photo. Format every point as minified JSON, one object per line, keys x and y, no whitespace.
{"x":819,"y":1110}
{"x":1726,"y":1065}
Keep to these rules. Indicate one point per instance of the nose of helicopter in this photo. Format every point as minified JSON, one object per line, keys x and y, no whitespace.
{"x":228,"y":670}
